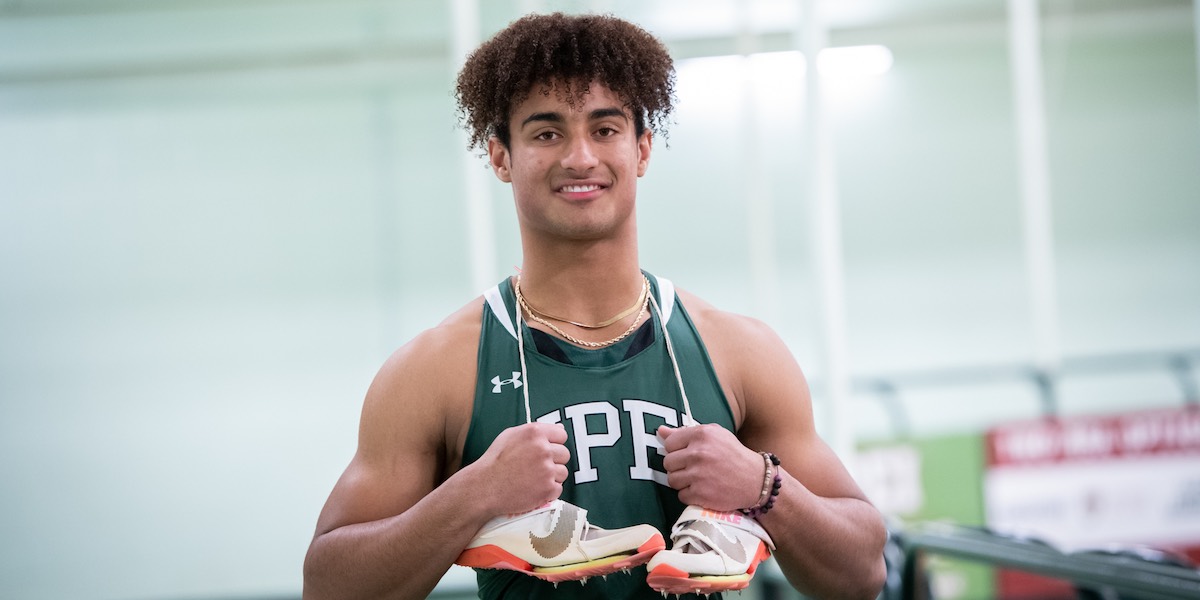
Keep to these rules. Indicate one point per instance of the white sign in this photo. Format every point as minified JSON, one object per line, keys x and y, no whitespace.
{"x":1090,"y":482}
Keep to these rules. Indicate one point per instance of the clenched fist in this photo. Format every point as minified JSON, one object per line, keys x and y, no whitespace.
{"x":710,"y":467}
{"x":525,"y":467}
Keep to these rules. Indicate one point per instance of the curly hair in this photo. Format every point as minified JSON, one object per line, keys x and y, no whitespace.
{"x":564,"y":53}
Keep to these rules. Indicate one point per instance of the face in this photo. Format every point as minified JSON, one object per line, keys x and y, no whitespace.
{"x":573,"y":169}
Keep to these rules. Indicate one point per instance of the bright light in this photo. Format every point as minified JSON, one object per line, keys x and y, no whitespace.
{"x":836,"y":62}
{"x":855,"y":61}
{"x":775,"y":80}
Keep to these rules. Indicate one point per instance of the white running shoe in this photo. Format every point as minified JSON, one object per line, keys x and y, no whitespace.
{"x":710,"y":552}
{"x":556,"y":543}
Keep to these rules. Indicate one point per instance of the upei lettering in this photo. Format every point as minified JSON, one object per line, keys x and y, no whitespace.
{"x":643,"y":438}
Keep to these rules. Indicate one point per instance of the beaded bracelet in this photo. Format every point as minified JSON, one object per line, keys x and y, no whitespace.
{"x":764,"y":494}
{"x":772,"y":481}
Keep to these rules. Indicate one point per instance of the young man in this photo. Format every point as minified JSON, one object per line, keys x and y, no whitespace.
{"x":557,"y":403}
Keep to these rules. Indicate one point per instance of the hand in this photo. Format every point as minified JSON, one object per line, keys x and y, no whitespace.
{"x":525,"y":467}
{"x":710,"y":467}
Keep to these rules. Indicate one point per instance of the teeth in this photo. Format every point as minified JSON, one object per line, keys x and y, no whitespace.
{"x":579,"y":188}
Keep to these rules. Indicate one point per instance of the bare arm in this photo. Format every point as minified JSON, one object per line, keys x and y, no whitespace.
{"x":829,"y":538}
{"x":394,"y":522}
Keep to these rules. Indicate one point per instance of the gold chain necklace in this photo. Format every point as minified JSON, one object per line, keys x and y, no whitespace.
{"x":641,"y":300}
{"x":645,"y":302}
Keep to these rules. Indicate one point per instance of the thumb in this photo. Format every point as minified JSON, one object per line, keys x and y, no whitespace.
{"x":664,"y":432}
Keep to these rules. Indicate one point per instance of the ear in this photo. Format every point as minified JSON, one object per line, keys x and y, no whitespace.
{"x":644,"y":145}
{"x":500,"y":159}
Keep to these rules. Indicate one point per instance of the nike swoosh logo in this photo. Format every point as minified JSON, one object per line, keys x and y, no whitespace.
{"x":731,"y":547}
{"x":559,"y":539}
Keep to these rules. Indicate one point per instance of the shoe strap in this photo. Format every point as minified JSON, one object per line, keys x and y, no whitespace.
{"x":684,"y":526}
{"x":553,"y":505}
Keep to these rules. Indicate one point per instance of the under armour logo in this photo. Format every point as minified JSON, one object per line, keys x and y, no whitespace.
{"x":498,"y":383}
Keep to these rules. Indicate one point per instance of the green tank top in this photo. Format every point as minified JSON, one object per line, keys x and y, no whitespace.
{"x":610,"y":401}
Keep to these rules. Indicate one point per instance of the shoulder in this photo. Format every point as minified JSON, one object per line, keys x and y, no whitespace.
{"x":438,"y":349}
{"x":426,"y":385}
{"x":722,"y":330}
{"x":455,"y":336}
{"x":757,"y":370}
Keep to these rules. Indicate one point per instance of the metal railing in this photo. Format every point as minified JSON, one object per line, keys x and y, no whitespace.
{"x":1094,"y":574}
{"x":1181,"y":365}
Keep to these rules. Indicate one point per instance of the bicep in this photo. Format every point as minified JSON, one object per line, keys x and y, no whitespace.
{"x":369,"y":491}
{"x":779,"y":419}
{"x":398,"y":460}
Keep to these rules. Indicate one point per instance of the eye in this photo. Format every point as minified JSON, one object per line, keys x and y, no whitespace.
{"x":606,"y":132}
{"x":546,"y":136}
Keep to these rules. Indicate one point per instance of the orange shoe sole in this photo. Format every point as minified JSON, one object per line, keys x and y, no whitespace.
{"x":494,"y":557}
{"x":671,"y":580}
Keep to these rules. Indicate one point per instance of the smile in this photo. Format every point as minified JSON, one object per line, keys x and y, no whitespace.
{"x":576,"y":189}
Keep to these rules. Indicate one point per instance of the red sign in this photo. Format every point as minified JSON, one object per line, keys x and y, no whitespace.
{"x":1141,"y":434}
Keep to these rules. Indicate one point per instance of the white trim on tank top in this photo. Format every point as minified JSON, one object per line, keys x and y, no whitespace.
{"x":496,"y":302}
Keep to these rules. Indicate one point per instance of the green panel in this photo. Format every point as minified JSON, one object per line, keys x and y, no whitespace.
{"x":952,"y":477}
{"x":952,"y":490}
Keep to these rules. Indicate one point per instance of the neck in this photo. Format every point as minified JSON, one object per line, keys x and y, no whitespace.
{"x":587,"y":281}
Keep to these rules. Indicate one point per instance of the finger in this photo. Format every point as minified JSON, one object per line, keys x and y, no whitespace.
{"x":676,"y":439}
{"x":686,"y":496}
{"x":674,"y":461}
{"x":560,"y":474}
{"x":555,"y":432}
{"x":679,"y":480}
{"x":560,"y":454}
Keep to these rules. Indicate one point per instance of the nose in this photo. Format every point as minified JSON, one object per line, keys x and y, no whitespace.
{"x":580,"y":155}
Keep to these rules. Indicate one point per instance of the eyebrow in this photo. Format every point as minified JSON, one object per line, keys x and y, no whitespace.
{"x":554,"y":117}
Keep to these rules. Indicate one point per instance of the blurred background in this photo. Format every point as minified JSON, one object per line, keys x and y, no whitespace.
{"x":975,"y":222}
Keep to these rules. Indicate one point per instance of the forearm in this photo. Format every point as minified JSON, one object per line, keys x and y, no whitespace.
{"x":399,"y":557}
{"x":827,"y":547}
